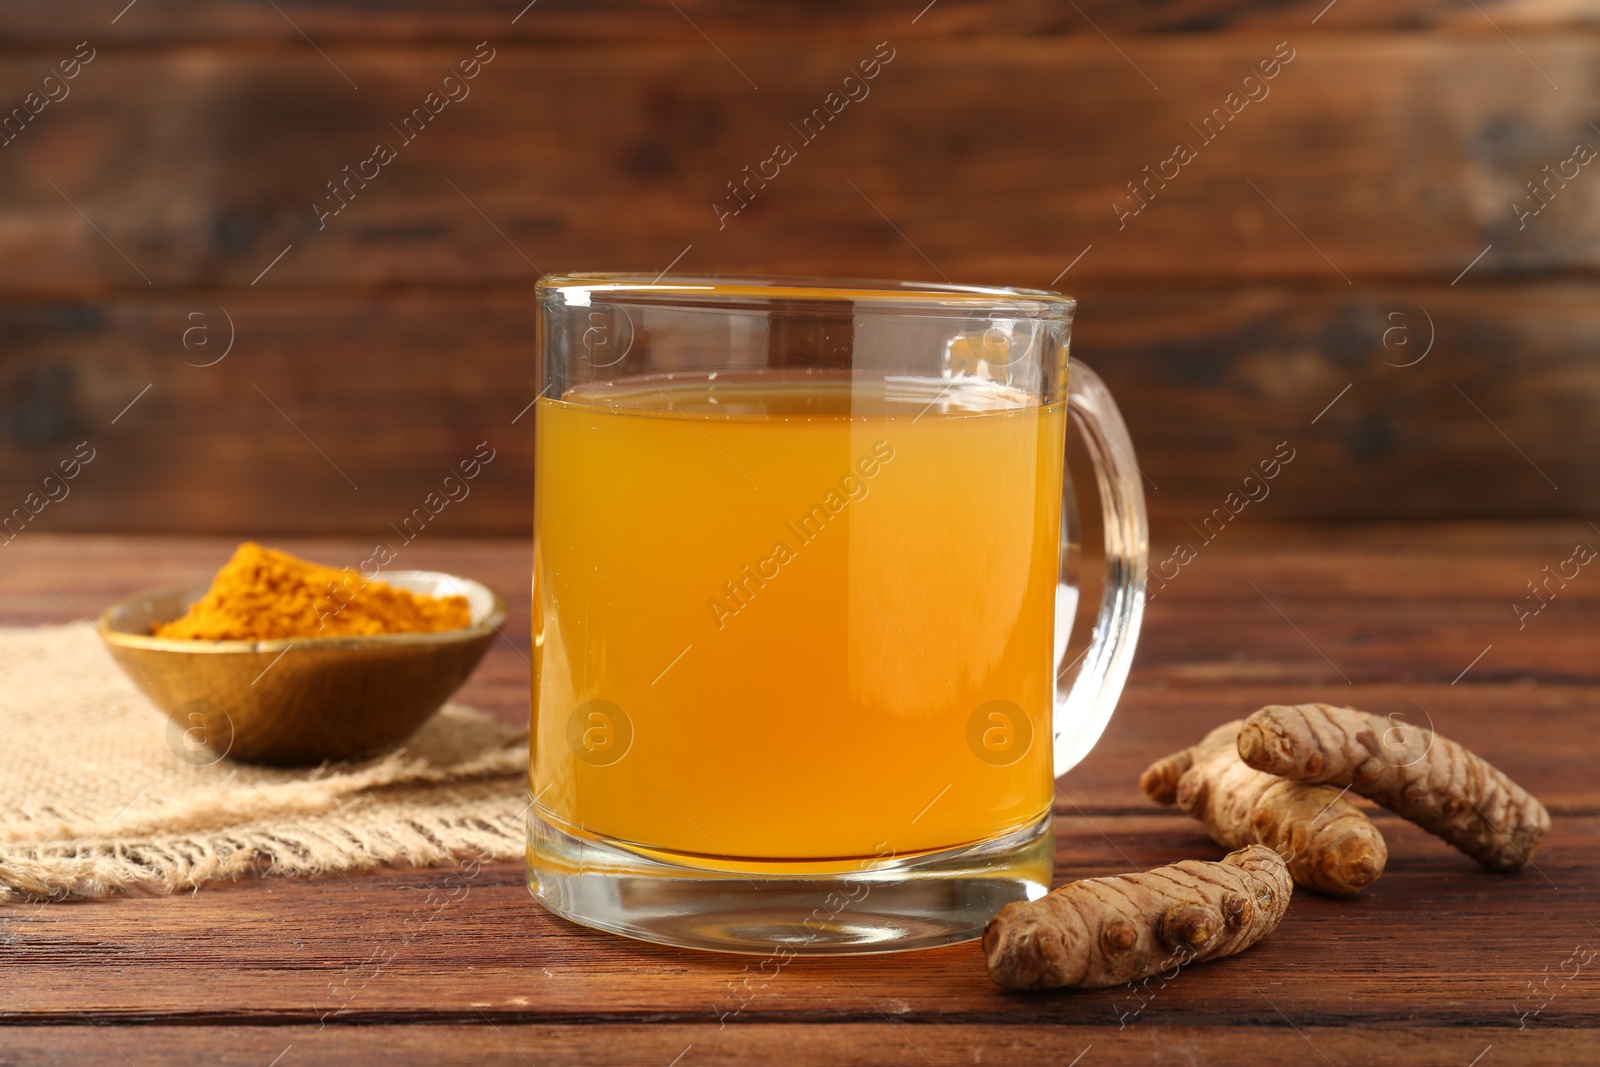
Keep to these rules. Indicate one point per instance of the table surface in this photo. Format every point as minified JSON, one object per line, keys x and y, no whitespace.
{"x":1440,"y":962}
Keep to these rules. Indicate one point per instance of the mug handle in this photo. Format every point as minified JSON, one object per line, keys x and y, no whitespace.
{"x":1084,"y":706}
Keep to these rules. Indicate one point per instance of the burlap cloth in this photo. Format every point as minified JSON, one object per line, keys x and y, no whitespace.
{"x":95,"y":800}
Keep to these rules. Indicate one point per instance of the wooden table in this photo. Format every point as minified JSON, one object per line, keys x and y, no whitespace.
{"x":1439,"y":963}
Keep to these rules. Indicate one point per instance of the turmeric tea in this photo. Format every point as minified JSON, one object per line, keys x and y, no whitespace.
{"x":262,"y":593}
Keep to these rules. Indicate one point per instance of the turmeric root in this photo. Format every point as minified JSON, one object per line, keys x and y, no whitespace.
{"x":1105,"y":931}
{"x":1329,"y":844}
{"x":1412,"y":771}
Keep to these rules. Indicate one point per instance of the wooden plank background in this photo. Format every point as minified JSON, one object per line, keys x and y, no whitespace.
{"x":1308,"y":257}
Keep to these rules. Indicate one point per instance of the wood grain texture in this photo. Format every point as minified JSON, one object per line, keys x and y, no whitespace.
{"x":873,"y":1043}
{"x":1435,"y":964}
{"x":348,"y":22}
{"x":391,"y":391}
{"x":985,"y":160}
{"x":223,"y":955}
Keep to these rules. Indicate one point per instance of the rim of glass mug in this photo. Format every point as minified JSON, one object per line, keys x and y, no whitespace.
{"x":575,"y":289}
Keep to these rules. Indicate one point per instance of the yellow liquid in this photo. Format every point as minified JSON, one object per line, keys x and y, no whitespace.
{"x":793,"y":601}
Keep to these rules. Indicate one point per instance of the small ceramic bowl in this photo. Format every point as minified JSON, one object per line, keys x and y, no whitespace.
{"x":301,"y":700}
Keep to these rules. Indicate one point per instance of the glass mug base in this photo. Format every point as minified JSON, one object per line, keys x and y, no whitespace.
{"x":872,"y":906}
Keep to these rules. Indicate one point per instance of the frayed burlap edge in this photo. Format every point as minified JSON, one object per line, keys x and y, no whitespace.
{"x":427,"y":828}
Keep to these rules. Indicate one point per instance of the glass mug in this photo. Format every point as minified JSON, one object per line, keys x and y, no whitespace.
{"x":804,"y":572}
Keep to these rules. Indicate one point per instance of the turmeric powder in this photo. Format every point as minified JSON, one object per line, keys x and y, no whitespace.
{"x":262,"y":593}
